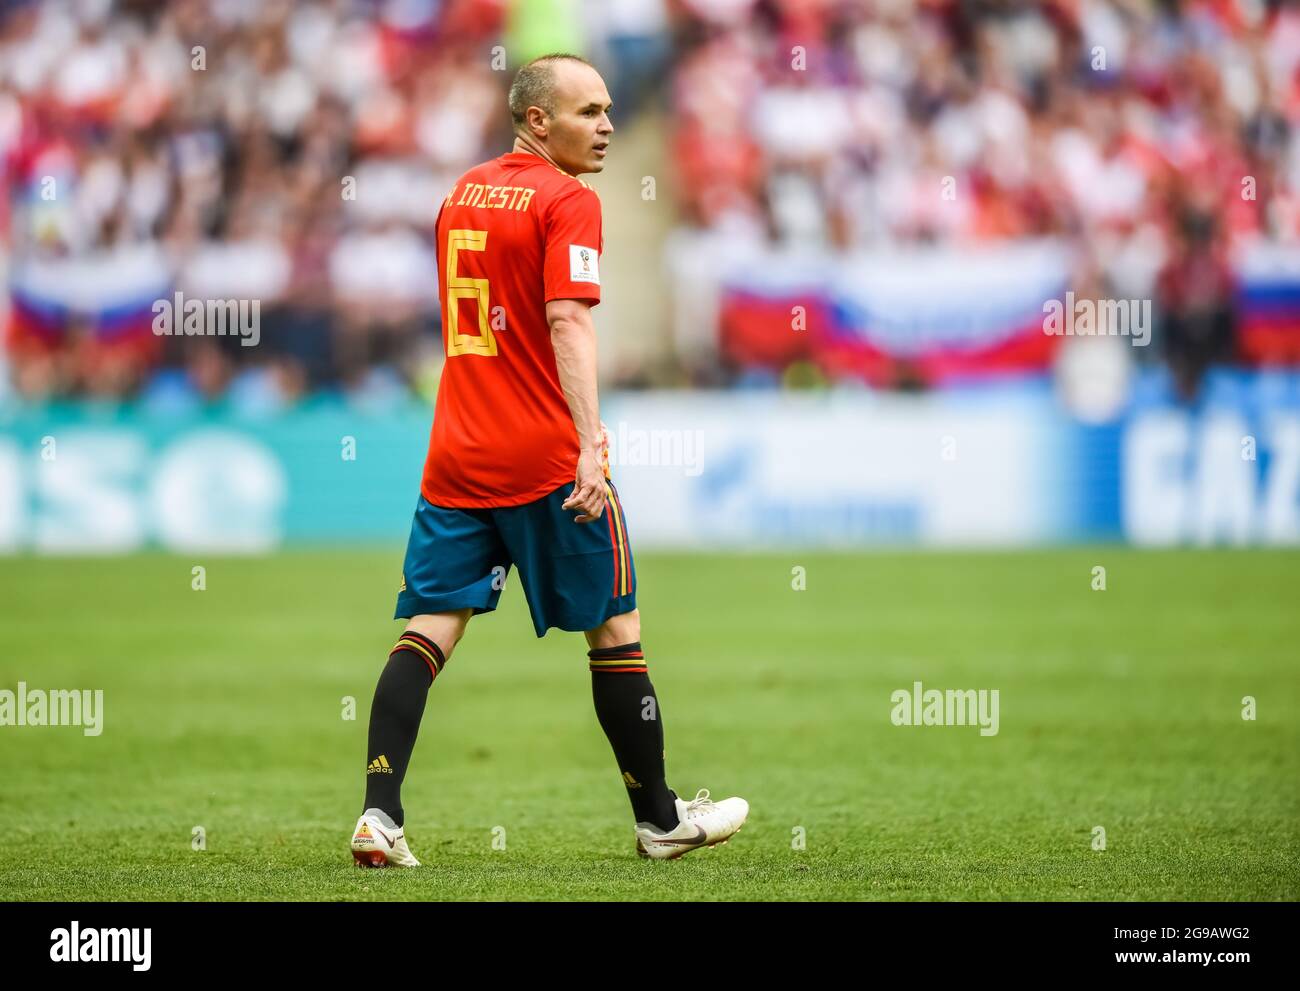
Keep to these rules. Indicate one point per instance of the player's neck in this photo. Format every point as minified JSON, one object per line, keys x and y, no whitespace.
{"x":523,"y":146}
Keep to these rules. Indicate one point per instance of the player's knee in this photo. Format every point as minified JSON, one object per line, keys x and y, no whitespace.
{"x":444,"y":628}
{"x":616,"y":631}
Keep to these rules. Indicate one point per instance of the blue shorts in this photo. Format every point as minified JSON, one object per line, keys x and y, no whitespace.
{"x":575,"y":575}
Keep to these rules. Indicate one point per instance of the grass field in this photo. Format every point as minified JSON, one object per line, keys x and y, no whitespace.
{"x":222,"y":709}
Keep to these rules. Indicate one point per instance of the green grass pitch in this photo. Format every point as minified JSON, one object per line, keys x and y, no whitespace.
{"x":223,"y":710}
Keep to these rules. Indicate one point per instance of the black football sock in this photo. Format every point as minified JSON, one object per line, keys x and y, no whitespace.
{"x":629,"y":714}
{"x":395,"y":716}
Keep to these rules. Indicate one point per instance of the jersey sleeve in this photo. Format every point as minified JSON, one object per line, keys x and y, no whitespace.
{"x":574,"y":239}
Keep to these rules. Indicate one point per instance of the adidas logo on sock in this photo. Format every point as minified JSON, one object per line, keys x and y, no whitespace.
{"x":379,"y":766}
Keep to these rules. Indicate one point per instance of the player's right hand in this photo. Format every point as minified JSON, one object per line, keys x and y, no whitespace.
{"x":588,"y":496}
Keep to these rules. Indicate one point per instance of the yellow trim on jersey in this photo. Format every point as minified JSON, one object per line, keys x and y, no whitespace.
{"x":585,"y":185}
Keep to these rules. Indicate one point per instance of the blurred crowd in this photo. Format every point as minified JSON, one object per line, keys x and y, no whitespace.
{"x":837,"y":123}
{"x":292,"y":153}
{"x":296,"y":153}
{"x":1157,"y":139}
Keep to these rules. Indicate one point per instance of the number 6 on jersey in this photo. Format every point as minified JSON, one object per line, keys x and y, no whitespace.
{"x":464,"y":287}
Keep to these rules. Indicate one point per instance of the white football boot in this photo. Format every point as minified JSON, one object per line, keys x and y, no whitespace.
{"x":379,"y":842}
{"x":701,"y":823}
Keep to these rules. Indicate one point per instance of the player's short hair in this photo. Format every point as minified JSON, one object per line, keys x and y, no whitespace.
{"x":534,"y":85}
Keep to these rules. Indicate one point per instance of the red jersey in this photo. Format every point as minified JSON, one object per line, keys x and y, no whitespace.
{"x":513,"y":234}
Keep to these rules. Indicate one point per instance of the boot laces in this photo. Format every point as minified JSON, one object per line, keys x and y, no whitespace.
{"x":701,"y":802}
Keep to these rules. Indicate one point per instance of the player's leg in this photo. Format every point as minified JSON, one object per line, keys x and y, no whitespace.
{"x":454,"y":564}
{"x":630,"y":715}
{"x":626,"y":704}
{"x":419,"y":655}
{"x":620,"y":629}
{"x":581,"y":576}
{"x":629,"y":712}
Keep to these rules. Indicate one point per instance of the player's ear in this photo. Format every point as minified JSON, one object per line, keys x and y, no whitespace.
{"x":536,"y":118}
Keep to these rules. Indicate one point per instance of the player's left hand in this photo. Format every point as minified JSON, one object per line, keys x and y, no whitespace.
{"x":588,"y":496}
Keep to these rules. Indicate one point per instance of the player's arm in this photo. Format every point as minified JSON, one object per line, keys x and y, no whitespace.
{"x":571,"y":277}
{"x":573,"y":335}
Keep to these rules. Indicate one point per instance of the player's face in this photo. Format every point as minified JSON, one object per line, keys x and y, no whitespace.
{"x":580,"y":129}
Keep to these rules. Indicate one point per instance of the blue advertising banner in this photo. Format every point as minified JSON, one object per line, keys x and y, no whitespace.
{"x":989,"y":467}
{"x":82,"y":479}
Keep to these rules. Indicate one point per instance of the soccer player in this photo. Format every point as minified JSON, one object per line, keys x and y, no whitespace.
{"x":517,"y":471}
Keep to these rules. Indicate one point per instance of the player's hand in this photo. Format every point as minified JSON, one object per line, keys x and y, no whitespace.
{"x":588,"y":496}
